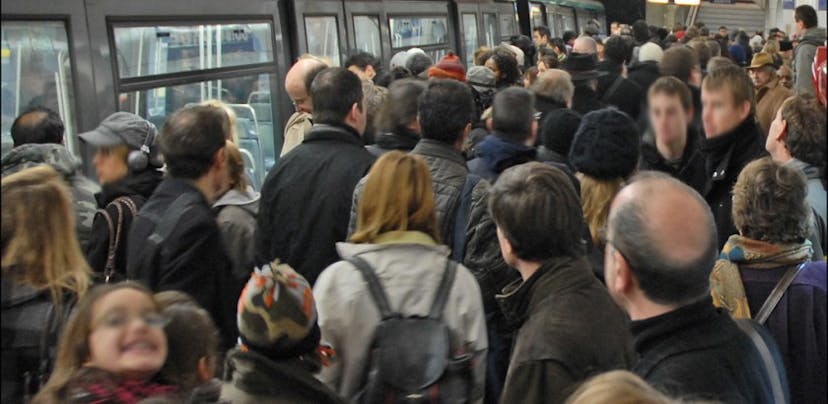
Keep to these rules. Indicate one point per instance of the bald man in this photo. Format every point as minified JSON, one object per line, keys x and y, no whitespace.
{"x":585,"y":44}
{"x":661,"y":246}
{"x":297,"y":85}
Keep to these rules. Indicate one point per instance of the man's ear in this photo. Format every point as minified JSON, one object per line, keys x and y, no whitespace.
{"x":746,"y":109}
{"x":622,"y":281}
{"x":205,"y":369}
{"x":370,"y":72}
{"x":220,"y":158}
{"x":783,"y":133}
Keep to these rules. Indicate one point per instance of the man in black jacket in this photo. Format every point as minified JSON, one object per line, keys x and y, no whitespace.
{"x":613,"y":87}
{"x":306,"y":197}
{"x":568,"y":326}
{"x":191,"y":257}
{"x":661,"y":246}
{"x":732,"y":139}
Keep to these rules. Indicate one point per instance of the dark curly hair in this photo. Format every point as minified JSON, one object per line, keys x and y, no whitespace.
{"x":769,"y":203}
{"x":805,"y":120}
{"x":507,"y":65}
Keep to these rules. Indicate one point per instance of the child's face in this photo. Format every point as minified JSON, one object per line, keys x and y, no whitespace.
{"x":120,"y":344}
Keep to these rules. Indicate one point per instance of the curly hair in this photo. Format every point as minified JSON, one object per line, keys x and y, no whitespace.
{"x":805,"y":120}
{"x":769,"y":203}
{"x":508,"y":66}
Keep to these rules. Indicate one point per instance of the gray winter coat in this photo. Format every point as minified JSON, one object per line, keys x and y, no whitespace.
{"x":59,"y":157}
{"x":816,"y":198}
{"x":803,"y":59}
{"x":236,"y":216}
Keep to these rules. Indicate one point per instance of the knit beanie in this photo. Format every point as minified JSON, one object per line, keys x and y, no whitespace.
{"x":650,"y":51}
{"x":558,"y":128}
{"x":606,"y":145}
{"x":277,"y":314}
{"x":449,"y":67}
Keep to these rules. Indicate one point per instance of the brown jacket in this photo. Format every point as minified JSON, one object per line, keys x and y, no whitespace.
{"x":768,"y":100}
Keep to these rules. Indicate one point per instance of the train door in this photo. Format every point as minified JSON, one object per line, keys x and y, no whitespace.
{"x":420,"y":24}
{"x":161,"y":56}
{"x":470,"y":31}
{"x":44,"y":59}
{"x":320,"y":30}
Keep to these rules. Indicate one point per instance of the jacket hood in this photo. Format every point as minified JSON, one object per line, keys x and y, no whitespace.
{"x":810,"y":171}
{"x":499,"y":154}
{"x":30,"y":155}
{"x":398,"y":140}
{"x":815,"y":35}
{"x":248,"y":200}
{"x":143,"y":184}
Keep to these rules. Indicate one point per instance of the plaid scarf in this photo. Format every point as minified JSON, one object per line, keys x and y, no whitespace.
{"x":726,"y":285}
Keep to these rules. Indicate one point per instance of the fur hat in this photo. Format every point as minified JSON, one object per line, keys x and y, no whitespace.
{"x":449,"y":67}
{"x":606,"y":145}
{"x":650,"y":51}
{"x":277,"y":314}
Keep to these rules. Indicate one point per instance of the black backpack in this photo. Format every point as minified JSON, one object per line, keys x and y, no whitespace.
{"x":410,"y":359}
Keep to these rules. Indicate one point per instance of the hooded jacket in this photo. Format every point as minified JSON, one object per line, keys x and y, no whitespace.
{"x":626,"y":95}
{"x":402,"y":140}
{"x":138,"y":188}
{"x":236,"y":216}
{"x":803,"y":59}
{"x":569,"y":329}
{"x":817,"y":199}
{"x":59,"y":157}
{"x":496,"y":154}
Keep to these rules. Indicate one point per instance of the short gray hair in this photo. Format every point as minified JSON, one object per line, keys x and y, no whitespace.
{"x":554,"y":84}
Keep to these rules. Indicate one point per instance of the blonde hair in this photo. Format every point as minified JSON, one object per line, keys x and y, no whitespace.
{"x":596,"y":197}
{"x":397,"y":196}
{"x":231,"y":118}
{"x":617,"y":387}
{"x":235,"y":167}
{"x":772,"y":46}
{"x":40,"y":247}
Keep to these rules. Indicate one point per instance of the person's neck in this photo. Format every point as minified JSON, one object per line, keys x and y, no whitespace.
{"x":527,"y":268}
{"x":205,"y":185}
{"x":672,"y":150}
{"x":781,"y":155}
{"x":641,"y":308}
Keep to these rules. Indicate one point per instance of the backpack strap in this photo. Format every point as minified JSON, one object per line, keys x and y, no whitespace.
{"x":613,"y":88}
{"x":775,"y":373}
{"x":374,"y":286}
{"x":461,"y":218}
{"x":115,"y":231}
{"x":777,"y":293}
{"x":443,"y":290}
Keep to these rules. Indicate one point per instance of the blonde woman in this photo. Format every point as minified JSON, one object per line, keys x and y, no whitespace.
{"x":398,"y":241}
{"x":618,"y":387}
{"x":43,"y":275}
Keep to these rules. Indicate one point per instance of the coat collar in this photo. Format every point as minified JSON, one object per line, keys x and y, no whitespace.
{"x":438,"y":149}
{"x":339,"y":133}
{"x":720,"y":149}
{"x":650,"y":333}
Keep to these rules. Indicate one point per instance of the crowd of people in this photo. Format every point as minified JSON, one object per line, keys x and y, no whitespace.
{"x":633,"y":218}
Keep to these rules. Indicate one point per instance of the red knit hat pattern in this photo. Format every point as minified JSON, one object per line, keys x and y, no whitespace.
{"x":449,"y":67}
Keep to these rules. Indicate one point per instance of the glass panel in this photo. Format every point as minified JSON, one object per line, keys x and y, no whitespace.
{"x":249,"y":96}
{"x":507,"y":25}
{"x":536,"y":15}
{"x":564,"y":20}
{"x":470,"y":37}
{"x":149,"y":50}
{"x":323,"y":37}
{"x":490,"y":29}
{"x":436,"y":54}
{"x":367,"y":32}
{"x":36,"y":70}
{"x":418,"y":31}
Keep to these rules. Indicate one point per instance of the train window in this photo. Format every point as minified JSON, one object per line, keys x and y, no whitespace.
{"x":490,"y":29}
{"x":507,"y":25}
{"x":563,"y":19}
{"x":149,"y":50}
{"x":470,"y":36}
{"x":36,"y":70}
{"x":249,"y":96}
{"x":536,"y":14}
{"x":367,"y":33}
{"x":418,"y":31}
{"x":323,"y":37}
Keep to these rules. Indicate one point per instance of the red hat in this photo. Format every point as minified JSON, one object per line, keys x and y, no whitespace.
{"x":679,"y":35}
{"x":449,"y":67}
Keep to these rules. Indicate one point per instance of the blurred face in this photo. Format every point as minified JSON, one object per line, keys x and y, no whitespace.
{"x":723,"y":32}
{"x":760,"y":77}
{"x":110,"y":165}
{"x":127,"y":336}
{"x":538,"y":39}
{"x":491,"y":65}
{"x":785,"y":77}
{"x":299,"y":97}
{"x":720,"y":114}
{"x":668,"y":118}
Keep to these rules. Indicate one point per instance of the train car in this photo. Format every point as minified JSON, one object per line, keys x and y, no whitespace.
{"x":567,"y":15}
{"x":86,"y":59}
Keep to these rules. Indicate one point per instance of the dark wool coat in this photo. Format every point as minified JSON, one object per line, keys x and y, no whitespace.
{"x":725,"y":156}
{"x":689,"y":170}
{"x":306,"y":200}
{"x":569,"y":330}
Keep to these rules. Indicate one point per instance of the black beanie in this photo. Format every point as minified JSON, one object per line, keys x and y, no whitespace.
{"x":558,"y":128}
{"x":606,"y":145}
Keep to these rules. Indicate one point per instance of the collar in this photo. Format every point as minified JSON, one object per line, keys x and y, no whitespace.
{"x":648,"y":333}
{"x":405,"y":237}
{"x":721,"y":148}
{"x":810,"y":171}
{"x":330,"y":132}
{"x":500,"y":153}
{"x":142,"y":183}
{"x":438,"y":149}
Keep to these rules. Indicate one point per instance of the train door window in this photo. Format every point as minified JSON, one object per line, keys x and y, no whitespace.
{"x":323,"y":37}
{"x":470,"y":36}
{"x":566,"y":19}
{"x":150,"y":50}
{"x":490,"y":29}
{"x":36,"y":71}
{"x":536,"y":13}
{"x":367,"y":33}
{"x":507,"y":26}
{"x":418,"y":31}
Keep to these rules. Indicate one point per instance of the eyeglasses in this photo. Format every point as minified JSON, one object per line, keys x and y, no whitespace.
{"x":120,"y":320}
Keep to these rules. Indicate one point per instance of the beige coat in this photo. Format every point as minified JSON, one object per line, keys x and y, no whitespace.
{"x":410,"y":267}
{"x":768,"y":100}
{"x":296,"y":128}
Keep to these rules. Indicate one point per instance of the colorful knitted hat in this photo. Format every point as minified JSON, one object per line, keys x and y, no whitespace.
{"x":277,"y":314}
{"x":449,"y":67}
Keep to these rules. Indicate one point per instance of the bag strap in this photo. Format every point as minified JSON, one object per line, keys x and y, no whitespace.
{"x":115,"y":231}
{"x":374,"y":286}
{"x":613,"y":88}
{"x":777,"y":293}
{"x":774,"y":372}
{"x":461,"y":218}
{"x":443,"y":290}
